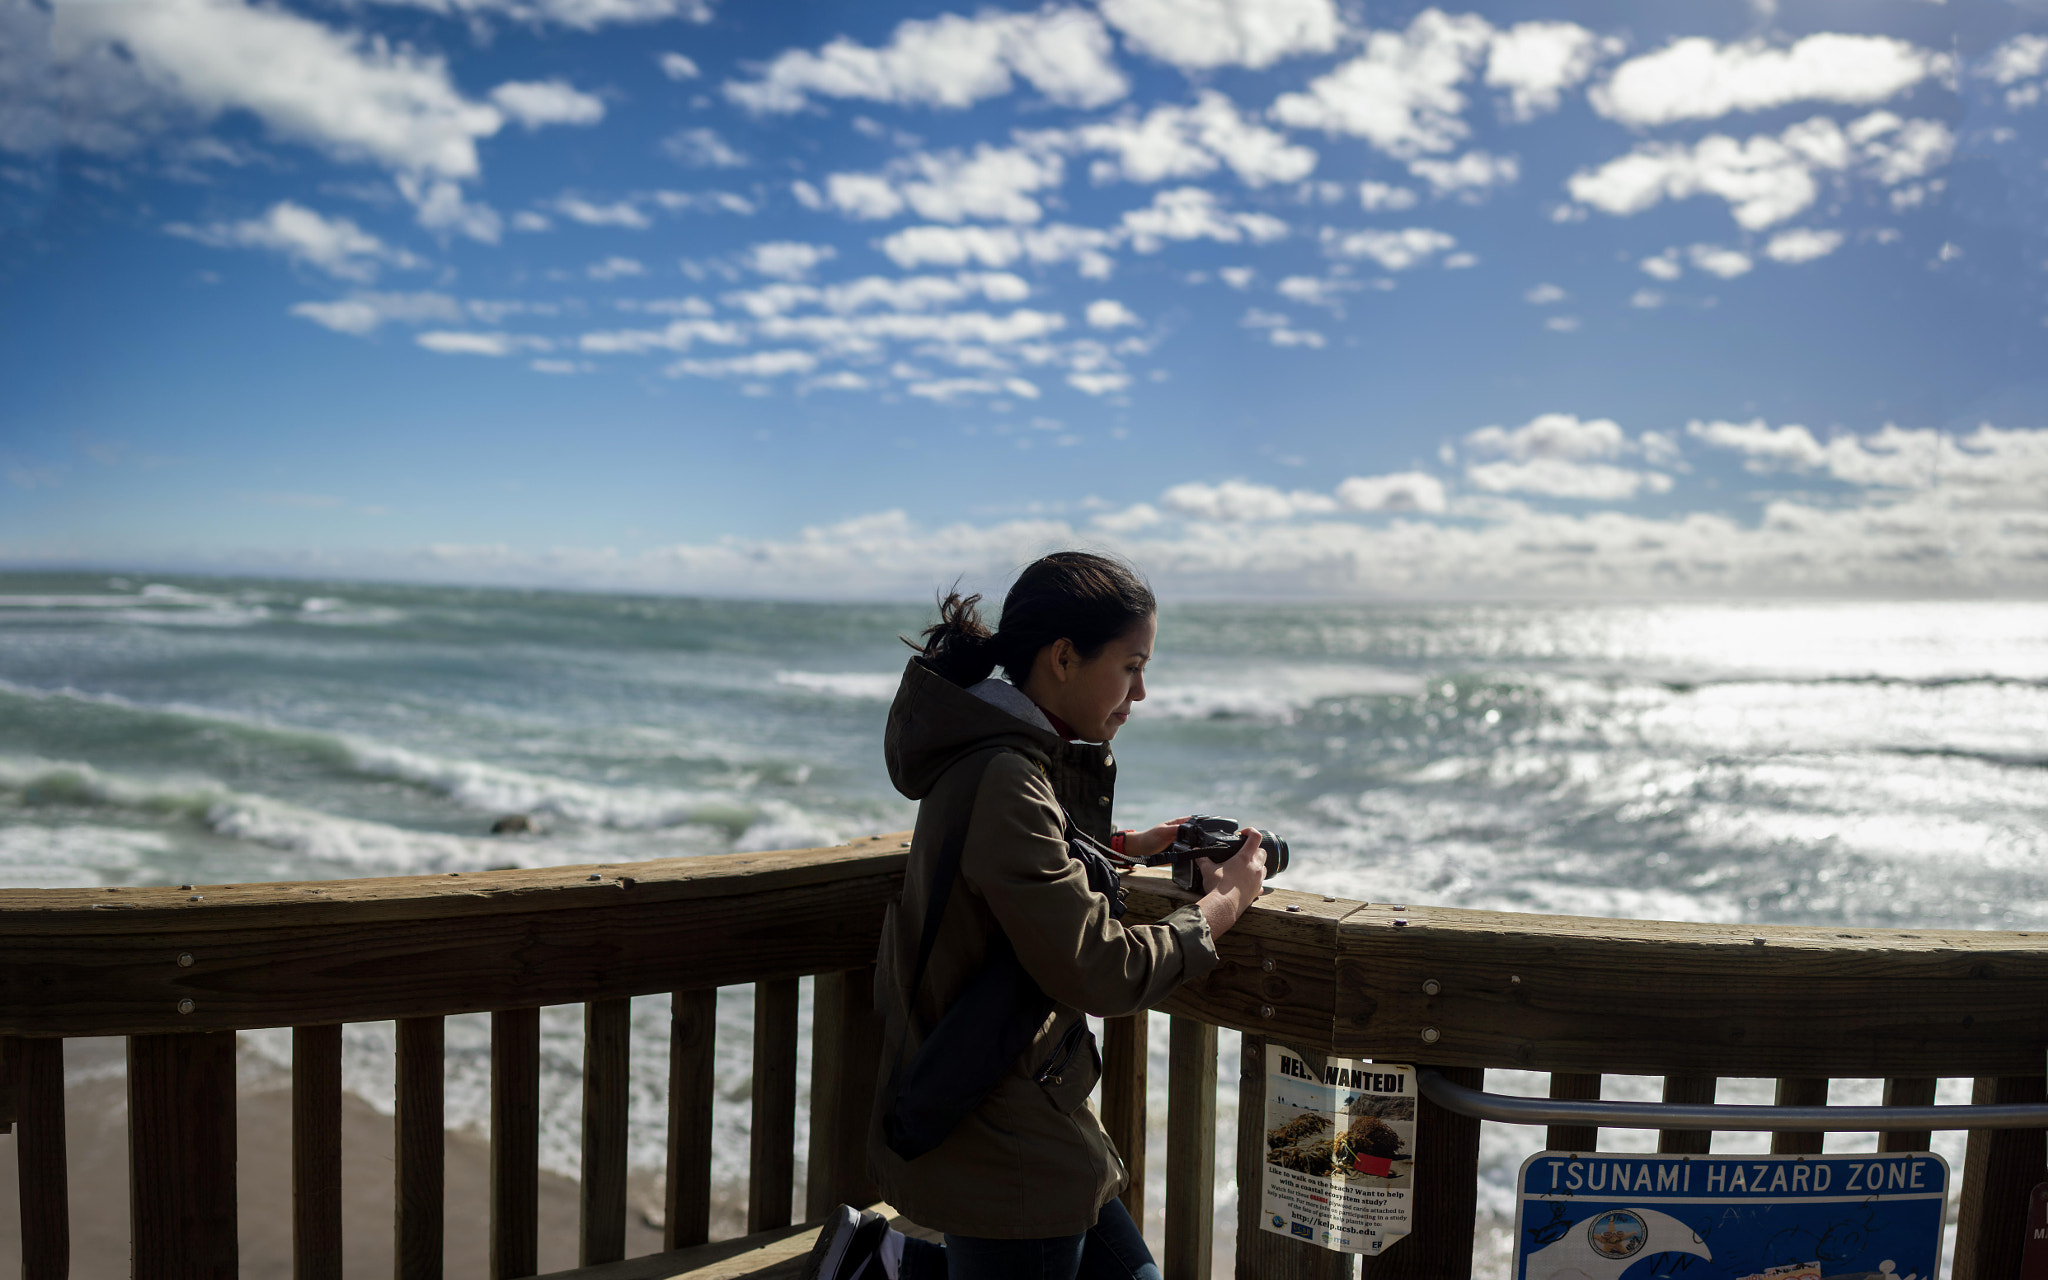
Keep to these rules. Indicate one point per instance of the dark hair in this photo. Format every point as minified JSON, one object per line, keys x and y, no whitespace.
{"x":1077,"y":596}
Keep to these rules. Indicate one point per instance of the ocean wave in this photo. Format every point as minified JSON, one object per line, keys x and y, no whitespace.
{"x":236,"y":815}
{"x":1270,"y":692}
{"x":860,"y":685}
{"x":476,"y":785}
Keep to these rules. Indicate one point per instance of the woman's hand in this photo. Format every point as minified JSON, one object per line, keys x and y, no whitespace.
{"x":1233,"y":883}
{"x":1153,"y":840}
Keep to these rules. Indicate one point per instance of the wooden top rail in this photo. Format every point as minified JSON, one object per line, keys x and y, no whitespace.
{"x":1450,"y":987}
{"x":98,"y":962}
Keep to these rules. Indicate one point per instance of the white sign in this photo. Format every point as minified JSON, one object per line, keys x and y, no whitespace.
{"x":1340,"y":1152}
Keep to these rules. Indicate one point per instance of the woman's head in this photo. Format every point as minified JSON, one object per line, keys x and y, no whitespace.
{"x":1071,"y":609}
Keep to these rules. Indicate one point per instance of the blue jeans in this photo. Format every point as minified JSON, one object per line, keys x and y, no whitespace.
{"x":1112,"y":1249}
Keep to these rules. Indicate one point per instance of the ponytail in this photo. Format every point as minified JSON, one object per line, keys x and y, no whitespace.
{"x":1077,"y":596}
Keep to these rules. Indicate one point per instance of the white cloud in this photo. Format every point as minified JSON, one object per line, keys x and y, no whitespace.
{"x":2015,"y":62}
{"x":1401,"y":94}
{"x":1764,"y":448}
{"x":1317,"y":291}
{"x":1646,"y":299}
{"x":615,"y":268}
{"x":705,"y":202}
{"x":1537,"y":61}
{"x":1289,"y":337}
{"x":1001,"y":246}
{"x":1192,"y":213}
{"x":759,"y":364}
{"x":702,"y":148}
{"x":949,"y":61}
{"x":898,"y":293}
{"x":1768,"y":178}
{"x":1178,"y":142}
{"x":1802,"y":244}
{"x":1136,"y":516}
{"x":1099,"y":384}
{"x":865,"y":334}
{"x":1401,"y":491}
{"x":1562,"y":324}
{"x":619,"y":213}
{"x":677,"y":335}
{"x":336,"y":246}
{"x":1237,"y":500}
{"x":1664,"y":266}
{"x":1557,"y":478}
{"x":1695,"y":79}
{"x":1201,"y":34}
{"x":1108,"y":313}
{"x":1394,"y":250}
{"x":131,"y":69}
{"x":993,"y":183}
{"x":1553,"y":435}
{"x":534,"y":103}
{"x":1544,"y":294}
{"x":1236,"y":277}
{"x":1376,"y":196}
{"x":581,"y":15}
{"x":459,"y":343}
{"x":1469,"y":175}
{"x":787,"y":259}
{"x":677,"y":66}
{"x":1720,"y":261}
{"x":360,"y":313}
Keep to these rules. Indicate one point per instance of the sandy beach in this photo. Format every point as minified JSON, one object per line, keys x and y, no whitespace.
{"x":96,"y":1141}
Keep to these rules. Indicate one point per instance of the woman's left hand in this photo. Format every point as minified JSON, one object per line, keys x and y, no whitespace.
{"x":1152,"y":840}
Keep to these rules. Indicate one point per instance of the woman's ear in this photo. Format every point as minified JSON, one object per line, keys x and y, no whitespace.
{"x":1065,"y":657}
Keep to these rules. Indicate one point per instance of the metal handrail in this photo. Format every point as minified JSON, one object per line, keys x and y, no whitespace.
{"x":1513,"y":1109}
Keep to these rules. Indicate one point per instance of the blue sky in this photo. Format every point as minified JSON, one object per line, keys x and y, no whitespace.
{"x":1290,"y":298}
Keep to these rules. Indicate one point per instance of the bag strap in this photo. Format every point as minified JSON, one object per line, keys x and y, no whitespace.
{"x":943,"y":875}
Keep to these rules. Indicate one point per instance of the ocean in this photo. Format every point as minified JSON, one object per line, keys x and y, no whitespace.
{"x":1864,"y":763}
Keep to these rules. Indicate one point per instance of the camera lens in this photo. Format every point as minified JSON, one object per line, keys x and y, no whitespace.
{"x":1276,"y":853}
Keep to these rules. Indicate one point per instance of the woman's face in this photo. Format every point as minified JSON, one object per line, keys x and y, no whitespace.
{"x":1094,"y":695}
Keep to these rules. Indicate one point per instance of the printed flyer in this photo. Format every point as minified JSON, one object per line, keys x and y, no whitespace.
{"x":1340,"y":1151}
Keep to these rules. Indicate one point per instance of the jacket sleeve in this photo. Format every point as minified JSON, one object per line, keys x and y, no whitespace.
{"x":1017,"y":860}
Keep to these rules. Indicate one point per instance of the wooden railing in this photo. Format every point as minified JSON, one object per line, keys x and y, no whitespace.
{"x":178,"y":971}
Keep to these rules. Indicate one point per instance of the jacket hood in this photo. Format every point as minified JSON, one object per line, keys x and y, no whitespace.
{"x":934,"y":722}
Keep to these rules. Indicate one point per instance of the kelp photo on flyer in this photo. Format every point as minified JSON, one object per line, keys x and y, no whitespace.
{"x":1340,"y":1151}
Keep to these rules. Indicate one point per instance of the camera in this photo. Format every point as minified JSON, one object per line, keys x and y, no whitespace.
{"x":1203,"y":836}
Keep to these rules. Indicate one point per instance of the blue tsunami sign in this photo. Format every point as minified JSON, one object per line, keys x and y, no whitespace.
{"x":1622,"y":1216}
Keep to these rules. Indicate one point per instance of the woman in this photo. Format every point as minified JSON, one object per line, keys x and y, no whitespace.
{"x":1014,"y":778}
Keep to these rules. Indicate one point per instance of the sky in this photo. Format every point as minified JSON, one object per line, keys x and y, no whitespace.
{"x":1288,"y":298}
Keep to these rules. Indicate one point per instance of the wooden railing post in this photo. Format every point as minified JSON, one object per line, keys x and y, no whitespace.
{"x":1999,"y":1168}
{"x":1190,"y":1150}
{"x":607,"y":1026}
{"x":1688,"y":1091}
{"x":1800,"y":1091}
{"x":1124,"y":1049}
{"x":1261,"y":1254}
{"x":515,"y":1143}
{"x":1907,"y":1091}
{"x":1571,"y":1086}
{"x":845,"y":1052}
{"x":692,"y":1038}
{"x":40,"y":1166}
{"x":771,"y":1172}
{"x":181,"y":1156}
{"x":316,"y":1152}
{"x":419,"y":1151}
{"x":1446,"y":1195}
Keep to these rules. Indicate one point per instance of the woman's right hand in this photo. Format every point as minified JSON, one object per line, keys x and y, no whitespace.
{"x":1233,"y":883}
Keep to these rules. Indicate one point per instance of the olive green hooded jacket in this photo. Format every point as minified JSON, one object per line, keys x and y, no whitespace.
{"x":1033,"y":1161}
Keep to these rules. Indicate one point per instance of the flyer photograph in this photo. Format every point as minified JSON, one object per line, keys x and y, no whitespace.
{"x":1340,"y":1151}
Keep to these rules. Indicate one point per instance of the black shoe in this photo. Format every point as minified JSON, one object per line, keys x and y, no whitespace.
{"x":849,"y":1246}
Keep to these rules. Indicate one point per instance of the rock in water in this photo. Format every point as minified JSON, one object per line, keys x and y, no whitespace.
{"x":513,"y":824}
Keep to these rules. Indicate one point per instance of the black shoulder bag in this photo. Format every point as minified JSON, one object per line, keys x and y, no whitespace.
{"x":982,"y":1032}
